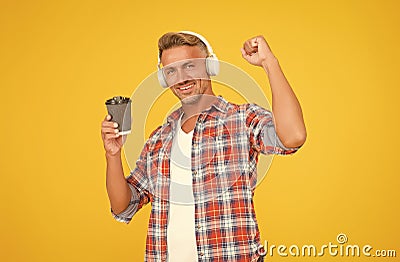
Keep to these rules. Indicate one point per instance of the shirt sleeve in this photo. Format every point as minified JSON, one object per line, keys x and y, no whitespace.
{"x":263,"y":136}
{"x":126,"y":215}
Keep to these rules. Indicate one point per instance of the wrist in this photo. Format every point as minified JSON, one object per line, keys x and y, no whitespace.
{"x":114,"y":155}
{"x":269,"y":63}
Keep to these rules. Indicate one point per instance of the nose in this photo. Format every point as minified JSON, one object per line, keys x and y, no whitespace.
{"x":181,"y":76}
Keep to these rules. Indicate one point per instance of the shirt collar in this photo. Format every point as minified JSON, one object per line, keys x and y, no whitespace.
{"x":220,"y":104}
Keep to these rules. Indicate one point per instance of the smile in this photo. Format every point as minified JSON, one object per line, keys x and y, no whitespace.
{"x":185,"y":87}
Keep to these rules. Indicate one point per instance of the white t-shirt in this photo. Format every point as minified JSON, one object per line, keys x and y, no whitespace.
{"x":181,"y":235}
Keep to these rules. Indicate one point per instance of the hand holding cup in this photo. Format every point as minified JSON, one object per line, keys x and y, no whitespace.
{"x":116,"y":125}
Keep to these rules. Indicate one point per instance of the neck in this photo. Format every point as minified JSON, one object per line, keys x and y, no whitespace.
{"x":192,"y":110}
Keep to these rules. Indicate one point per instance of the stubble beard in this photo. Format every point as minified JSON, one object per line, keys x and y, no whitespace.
{"x":194,"y":98}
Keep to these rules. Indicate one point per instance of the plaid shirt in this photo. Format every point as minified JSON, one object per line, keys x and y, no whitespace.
{"x":227,"y":140}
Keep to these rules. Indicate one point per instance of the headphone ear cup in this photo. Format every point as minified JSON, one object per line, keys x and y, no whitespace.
{"x":212,"y":65}
{"x":161,"y":78}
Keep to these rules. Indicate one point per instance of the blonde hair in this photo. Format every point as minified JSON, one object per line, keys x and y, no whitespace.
{"x":175,"y":39}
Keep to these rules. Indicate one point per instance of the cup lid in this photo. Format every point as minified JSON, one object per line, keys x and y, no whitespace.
{"x":118,"y":100}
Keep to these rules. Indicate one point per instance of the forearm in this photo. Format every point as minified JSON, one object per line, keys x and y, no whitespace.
{"x":286,"y":108}
{"x":118,"y":190}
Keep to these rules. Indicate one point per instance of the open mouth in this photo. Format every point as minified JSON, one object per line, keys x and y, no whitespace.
{"x":186,"y":88}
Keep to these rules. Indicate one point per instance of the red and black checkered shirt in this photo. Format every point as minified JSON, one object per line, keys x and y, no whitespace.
{"x":227,"y":140}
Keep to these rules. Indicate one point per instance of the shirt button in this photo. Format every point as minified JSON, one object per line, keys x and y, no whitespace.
{"x":198,"y":227}
{"x":201,"y":253}
{"x":195,"y":145}
{"x":194,"y":172}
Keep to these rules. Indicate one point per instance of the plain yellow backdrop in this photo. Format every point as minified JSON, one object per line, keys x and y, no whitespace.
{"x":60,"y":60}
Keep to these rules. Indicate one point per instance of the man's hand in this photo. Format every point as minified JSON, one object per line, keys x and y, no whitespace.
{"x":111,"y":139}
{"x":257,"y":52}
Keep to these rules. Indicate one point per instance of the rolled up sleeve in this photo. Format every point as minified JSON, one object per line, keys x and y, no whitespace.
{"x":262,"y":128}
{"x":271,"y":142}
{"x":126,"y":215}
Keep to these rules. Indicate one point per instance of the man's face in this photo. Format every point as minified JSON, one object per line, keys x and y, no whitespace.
{"x":185,"y":72}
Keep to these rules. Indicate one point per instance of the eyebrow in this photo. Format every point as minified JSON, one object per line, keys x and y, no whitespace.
{"x":183,"y":65}
{"x":188,"y":62}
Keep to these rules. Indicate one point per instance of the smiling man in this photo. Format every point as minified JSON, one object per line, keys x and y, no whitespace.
{"x":198,"y":169}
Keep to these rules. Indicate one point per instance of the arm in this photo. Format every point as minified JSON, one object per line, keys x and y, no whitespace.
{"x":288,"y":116}
{"x":118,"y":190}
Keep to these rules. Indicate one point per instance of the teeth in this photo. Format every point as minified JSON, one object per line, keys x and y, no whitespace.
{"x":186,"y":87}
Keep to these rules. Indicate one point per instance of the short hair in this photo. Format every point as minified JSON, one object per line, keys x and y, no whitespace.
{"x":175,"y":39}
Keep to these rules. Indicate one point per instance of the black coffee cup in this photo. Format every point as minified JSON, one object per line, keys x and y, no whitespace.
{"x":119,"y":108}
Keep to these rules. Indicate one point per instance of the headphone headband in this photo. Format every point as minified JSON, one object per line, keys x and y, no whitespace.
{"x":202,"y":39}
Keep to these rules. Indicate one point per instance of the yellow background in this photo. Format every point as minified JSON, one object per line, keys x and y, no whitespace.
{"x":60,"y":60}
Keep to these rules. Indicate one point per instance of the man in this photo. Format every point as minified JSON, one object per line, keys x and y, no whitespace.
{"x":203,"y":209}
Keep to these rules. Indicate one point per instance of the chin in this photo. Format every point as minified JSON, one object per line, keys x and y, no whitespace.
{"x":193,"y":99}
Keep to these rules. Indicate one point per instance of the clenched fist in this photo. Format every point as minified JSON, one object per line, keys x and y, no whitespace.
{"x":257,"y":51}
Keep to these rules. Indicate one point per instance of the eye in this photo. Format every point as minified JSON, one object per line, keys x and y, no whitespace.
{"x":169,"y":71}
{"x":189,"y":66}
